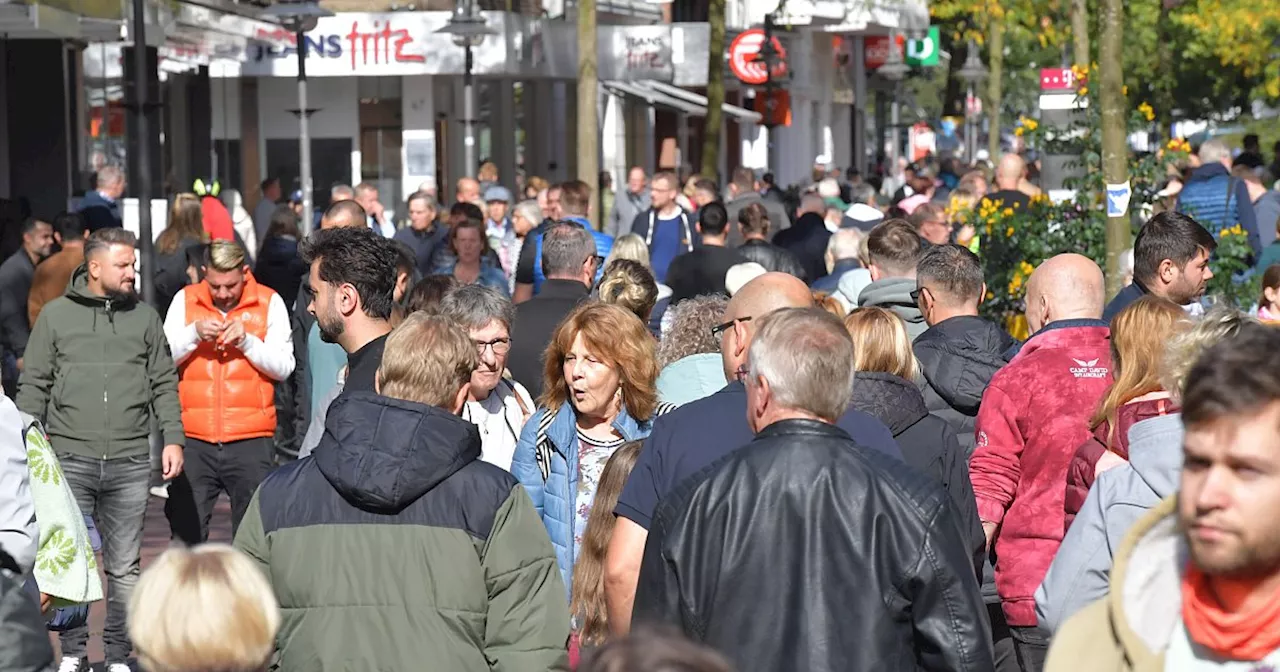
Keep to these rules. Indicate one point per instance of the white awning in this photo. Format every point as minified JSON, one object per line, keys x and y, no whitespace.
{"x":676,"y":98}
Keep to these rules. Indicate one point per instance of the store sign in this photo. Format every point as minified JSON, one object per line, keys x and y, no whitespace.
{"x":369,"y":43}
{"x":922,"y":53}
{"x":745,"y":62}
{"x":877,"y":50}
{"x":632,"y":53}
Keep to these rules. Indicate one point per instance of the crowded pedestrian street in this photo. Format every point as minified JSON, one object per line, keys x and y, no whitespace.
{"x":622,"y":336}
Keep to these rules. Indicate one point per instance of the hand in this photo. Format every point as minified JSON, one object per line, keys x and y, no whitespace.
{"x":208,"y":330}
{"x":46,"y":601}
{"x":989,"y":529}
{"x":171,"y":461}
{"x":232,"y":334}
{"x":19,"y":364}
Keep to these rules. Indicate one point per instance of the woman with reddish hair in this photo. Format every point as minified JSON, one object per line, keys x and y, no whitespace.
{"x":599,"y":392}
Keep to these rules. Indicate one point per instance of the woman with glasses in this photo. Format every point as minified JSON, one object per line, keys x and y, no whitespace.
{"x":496,"y":405}
{"x":599,"y":392}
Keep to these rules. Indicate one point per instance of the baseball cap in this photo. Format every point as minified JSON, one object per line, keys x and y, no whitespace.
{"x":497,"y":193}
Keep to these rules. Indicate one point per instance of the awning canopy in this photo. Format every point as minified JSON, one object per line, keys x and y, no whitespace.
{"x":676,"y":98}
{"x":39,"y":21}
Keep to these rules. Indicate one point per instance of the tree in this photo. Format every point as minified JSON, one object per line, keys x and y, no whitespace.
{"x":1115,"y":151}
{"x":995,"y":84}
{"x":715,"y":90}
{"x":588,"y":121}
{"x":1080,"y":33}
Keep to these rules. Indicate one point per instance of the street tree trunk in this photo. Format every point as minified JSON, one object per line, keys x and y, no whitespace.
{"x":715,"y":91}
{"x":1115,"y":154}
{"x":588,"y":115}
{"x":1166,"y":80}
{"x":995,"y":58}
{"x":1080,"y":32}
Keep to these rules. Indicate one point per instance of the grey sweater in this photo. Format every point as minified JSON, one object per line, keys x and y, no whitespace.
{"x":1081,"y":571}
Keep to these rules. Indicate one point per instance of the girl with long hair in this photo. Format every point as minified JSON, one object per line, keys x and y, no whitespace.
{"x":587,"y":605}
{"x":1139,"y":335}
{"x":184,"y":230}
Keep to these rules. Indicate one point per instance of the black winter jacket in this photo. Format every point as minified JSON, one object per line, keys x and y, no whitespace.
{"x":958,"y":357}
{"x":773,"y":258}
{"x":927,"y":443}
{"x":805,"y":551}
{"x":807,"y":240}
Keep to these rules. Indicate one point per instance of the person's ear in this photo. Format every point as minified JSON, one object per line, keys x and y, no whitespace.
{"x":875,"y":272}
{"x":982,"y":295}
{"x":697,"y":226}
{"x":348,"y":299}
{"x":460,"y":399}
{"x":1167,"y":272}
{"x":740,"y":339}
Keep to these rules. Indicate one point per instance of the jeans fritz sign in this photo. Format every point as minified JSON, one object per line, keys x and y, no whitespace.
{"x":361,"y":44}
{"x":636,"y":52}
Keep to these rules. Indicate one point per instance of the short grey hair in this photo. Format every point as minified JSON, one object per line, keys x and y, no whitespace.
{"x":564,"y":247}
{"x":806,"y":354}
{"x":863,"y":193}
{"x":110,"y":175}
{"x":475,"y":306}
{"x":341,"y":192}
{"x":1214,"y":151}
{"x":690,"y":332}
{"x":845,"y":243}
{"x":529,"y":210}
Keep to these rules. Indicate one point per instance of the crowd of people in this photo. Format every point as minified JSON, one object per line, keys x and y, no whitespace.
{"x":708,"y":436}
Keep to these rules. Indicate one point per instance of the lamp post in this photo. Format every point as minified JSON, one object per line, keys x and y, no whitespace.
{"x":972,"y":72}
{"x":468,"y":29}
{"x":894,"y":70}
{"x":298,"y":17}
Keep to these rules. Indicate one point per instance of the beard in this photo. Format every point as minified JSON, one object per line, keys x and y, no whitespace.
{"x":122,"y":293}
{"x":330,"y":330}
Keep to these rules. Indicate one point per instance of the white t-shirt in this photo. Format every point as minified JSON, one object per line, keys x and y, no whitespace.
{"x":500,"y":417}
{"x":1184,"y":655}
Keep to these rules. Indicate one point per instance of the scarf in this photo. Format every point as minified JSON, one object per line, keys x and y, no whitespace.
{"x":1236,"y":635}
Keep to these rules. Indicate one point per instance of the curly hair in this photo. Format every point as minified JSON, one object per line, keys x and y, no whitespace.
{"x":629,"y":284}
{"x":616,"y":336}
{"x":690,"y":333}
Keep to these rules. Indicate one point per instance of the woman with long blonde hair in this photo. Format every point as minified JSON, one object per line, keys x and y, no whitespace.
{"x":885,"y":370}
{"x":587,"y":607}
{"x":1139,"y":335}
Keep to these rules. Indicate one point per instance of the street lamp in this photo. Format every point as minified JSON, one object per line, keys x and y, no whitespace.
{"x":972,"y":72}
{"x":468,"y":29}
{"x":298,"y":17}
{"x":894,"y":70}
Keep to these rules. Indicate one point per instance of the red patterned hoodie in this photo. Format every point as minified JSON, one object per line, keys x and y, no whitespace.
{"x":1034,"y":415}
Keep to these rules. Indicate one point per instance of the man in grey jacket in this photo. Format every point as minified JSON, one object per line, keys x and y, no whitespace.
{"x":893,"y":250}
{"x":628,"y":204}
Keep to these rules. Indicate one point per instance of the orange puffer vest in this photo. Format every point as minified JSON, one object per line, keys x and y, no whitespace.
{"x":223,"y":397}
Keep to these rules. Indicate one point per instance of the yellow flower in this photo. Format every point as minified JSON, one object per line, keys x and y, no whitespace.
{"x":1008,"y":233}
{"x":988,"y":228}
{"x":1008,"y":212}
{"x":1147,"y":112}
{"x":1026,"y":269}
{"x":1018,"y":131}
{"x":1084,"y":91}
{"x":1124,"y":90}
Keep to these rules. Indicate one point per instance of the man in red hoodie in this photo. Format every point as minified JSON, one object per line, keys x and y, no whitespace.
{"x":1033,"y":415}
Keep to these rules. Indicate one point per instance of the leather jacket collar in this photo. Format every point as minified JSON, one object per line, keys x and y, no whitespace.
{"x":802,"y":427}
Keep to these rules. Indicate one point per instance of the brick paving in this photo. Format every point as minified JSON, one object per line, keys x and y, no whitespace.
{"x":154,"y":542}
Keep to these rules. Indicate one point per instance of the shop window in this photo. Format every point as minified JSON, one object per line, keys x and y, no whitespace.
{"x":330,"y":165}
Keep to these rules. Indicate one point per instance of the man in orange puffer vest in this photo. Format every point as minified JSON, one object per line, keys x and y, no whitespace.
{"x":231,"y":340}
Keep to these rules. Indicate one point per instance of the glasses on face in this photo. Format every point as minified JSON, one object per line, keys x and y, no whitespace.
{"x":719,"y":329}
{"x":916,"y":294}
{"x":742,"y":373}
{"x":501,"y":346}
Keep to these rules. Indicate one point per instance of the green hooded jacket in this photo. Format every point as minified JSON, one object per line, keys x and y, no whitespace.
{"x":96,"y":371}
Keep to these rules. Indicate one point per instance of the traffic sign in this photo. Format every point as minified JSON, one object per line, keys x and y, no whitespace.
{"x":744,"y":57}
{"x":924,"y":52}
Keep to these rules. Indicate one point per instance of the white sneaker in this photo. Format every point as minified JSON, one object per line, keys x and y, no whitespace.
{"x":119,"y":667}
{"x":70,"y":664}
{"x":161,"y":491}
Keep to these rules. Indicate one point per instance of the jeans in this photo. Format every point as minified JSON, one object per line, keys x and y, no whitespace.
{"x":236,"y":468}
{"x":1031,"y":646}
{"x":114,"y":492}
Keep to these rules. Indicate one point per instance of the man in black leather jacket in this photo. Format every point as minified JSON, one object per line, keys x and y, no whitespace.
{"x":804,"y":550}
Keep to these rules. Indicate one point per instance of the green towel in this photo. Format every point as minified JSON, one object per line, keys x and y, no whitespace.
{"x":66,"y":568}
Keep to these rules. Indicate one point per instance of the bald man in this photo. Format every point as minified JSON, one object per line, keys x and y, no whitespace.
{"x":343,"y":214}
{"x":702,"y":432}
{"x":1034,"y":415}
{"x":1009,"y":176}
{"x":469,"y":192}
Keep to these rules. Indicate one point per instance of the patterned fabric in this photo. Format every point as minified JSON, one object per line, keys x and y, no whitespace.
{"x":65,"y":565}
{"x":592,"y":456}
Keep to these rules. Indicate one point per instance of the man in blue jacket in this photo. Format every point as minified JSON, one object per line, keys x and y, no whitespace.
{"x":697,"y":434}
{"x":1216,"y":199}
{"x":575,"y":207}
{"x":101,"y":207}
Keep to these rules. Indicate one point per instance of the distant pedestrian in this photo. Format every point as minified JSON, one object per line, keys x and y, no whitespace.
{"x":893,"y":250}
{"x":184,"y":231}
{"x":16,"y":276}
{"x":278,"y":265}
{"x":1217,"y":200}
{"x":629,"y":284}
{"x":423,"y":234}
{"x":807,"y":238}
{"x":262,"y":213}
{"x":572,"y":204}
{"x":379,"y":220}
{"x":469,"y":250}
{"x":101,"y":207}
{"x":756,"y":226}
{"x":53,"y":274}
{"x":702,"y":270}
{"x":666,"y":227}
{"x":744,"y":190}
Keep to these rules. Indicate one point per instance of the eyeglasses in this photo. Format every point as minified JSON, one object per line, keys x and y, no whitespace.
{"x":501,"y":346}
{"x":916,"y":293}
{"x":599,"y":261}
{"x":719,"y":329}
{"x":742,"y":373}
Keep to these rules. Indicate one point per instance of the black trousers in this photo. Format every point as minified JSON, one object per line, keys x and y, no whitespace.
{"x":236,"y":468}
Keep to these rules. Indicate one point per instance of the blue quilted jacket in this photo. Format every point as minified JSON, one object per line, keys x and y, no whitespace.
{"x":546,"y":464}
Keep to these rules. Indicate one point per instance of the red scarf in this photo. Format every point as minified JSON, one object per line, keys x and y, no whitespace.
{"x":1234,"y":634}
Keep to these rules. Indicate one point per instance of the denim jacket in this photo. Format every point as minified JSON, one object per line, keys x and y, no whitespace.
{"x":552,"y":480}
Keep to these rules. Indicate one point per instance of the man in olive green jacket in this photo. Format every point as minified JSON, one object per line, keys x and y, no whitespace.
{"x":97,"y":372}
{"x":393,"y":547}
